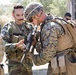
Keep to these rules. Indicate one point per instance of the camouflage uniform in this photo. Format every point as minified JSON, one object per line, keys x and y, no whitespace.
{"x":49,"y":36}
{"x":12,"y":33}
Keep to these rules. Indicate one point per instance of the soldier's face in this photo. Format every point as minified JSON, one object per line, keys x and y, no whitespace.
{"x":18,"y":16}
{"x":39,"y":18}
{"x":68,"y":18}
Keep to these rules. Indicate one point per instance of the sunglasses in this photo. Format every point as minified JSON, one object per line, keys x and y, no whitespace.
{"x":68,"y":19}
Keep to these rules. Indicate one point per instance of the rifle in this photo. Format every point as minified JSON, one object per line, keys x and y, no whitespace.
{"x":29,"y":45}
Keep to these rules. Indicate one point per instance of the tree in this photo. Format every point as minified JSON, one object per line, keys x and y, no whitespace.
{"x":46,"y":4}
{"x":56,"y":7}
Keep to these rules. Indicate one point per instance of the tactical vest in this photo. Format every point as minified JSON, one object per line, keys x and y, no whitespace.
{"x":58,"y":63}
{"x":16,"y":36}
{"x":65,"y":43}
{"x":69,"y":34}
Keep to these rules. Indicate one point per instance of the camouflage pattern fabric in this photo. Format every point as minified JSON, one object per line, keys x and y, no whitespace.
{"x":49,"y":35}
{"x":16,"y":68}
{"x":11,"y":34}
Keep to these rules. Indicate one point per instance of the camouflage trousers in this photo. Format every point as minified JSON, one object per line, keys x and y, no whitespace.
{"x":16,"y":68}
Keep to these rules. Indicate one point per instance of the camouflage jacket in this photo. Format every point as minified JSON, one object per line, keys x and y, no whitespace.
{"x":11,"y":34}
{"x":49,"y":34}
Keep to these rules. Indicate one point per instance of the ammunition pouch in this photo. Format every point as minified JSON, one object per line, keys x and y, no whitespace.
{"x":71,"y":63}
{"x":16,"y":38}
{"x":58,"y":65}
{"x":15,"y":55}
{"x":62,"y":65}
{"x":54,"y":66}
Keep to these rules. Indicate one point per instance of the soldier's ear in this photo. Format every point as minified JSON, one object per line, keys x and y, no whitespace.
{"x":12,"y":14}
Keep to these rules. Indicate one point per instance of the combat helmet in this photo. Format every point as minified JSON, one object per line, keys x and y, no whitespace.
{"x":32,"y":9}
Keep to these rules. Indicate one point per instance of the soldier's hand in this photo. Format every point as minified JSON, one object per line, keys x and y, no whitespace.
{"x":34,"y":40}
{"x":20,"y":45}
{"x":29,"y":55}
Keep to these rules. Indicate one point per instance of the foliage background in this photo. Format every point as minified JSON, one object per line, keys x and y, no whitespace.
{"x":55,"y":7}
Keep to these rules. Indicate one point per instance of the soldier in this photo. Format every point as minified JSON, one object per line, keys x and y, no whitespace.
{"x":51,"y":32}
{"x":67,"y":16}
{"x":12,"y":33}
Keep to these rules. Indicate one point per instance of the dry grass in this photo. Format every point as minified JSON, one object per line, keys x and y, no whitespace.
{"x":4,"y":19}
